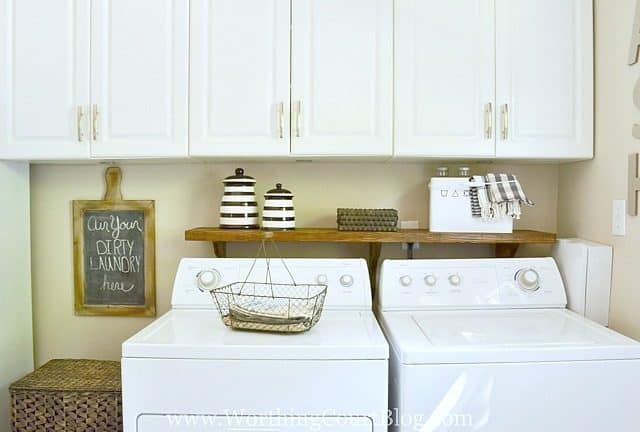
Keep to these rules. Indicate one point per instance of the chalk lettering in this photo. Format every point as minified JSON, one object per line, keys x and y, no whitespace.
{"x":117,"y":247}
{"x":114,"y":253}
{"x":116,"y":286}
{"x":113,"y":226}
{"x":117,"y":264}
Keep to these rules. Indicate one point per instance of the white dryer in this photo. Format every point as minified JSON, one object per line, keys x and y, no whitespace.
{"x":187,"y":371}
{"x":488,"y":345}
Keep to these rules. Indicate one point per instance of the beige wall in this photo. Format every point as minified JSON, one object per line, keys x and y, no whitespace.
{"x":587,"y":189}
{"x":187,"y":195}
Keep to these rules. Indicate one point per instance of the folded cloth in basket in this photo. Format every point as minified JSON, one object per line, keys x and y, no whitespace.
{"x":248,"y":315}
{"x":497,"y":196}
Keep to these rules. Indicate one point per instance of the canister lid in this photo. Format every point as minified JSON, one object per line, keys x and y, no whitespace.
{"x":278,"y":191}
{"x":239,"y":177}
{"x":464,"y":171}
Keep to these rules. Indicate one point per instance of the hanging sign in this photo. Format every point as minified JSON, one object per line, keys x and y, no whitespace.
{"x":114,"y":254}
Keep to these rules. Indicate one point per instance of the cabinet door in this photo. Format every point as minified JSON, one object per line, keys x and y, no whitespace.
{"x":342,"y":77}
{"x":44,"y":79}
{"x":545,"y":78}
{"x":239,"y":97}
{"x":445,"y":78}
{"x":139,"y":78}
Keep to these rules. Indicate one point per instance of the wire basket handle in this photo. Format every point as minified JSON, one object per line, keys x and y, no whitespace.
{"x":268,"y":278}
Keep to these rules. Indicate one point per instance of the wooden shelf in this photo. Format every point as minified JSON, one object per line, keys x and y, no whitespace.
{"x":332,"y":235}
{"x":506,"y":245}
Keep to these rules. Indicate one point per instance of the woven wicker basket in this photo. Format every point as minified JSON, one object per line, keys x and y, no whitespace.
{"x":68,"y":395}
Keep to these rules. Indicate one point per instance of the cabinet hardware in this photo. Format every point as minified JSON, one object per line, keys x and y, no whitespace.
{"x":298,"y":118}
{"x":95,"y":122}
{"x":79,"y":120}
{"x":281,"y":119}
{"x":505,"y":121}
{"x":488,"y":120}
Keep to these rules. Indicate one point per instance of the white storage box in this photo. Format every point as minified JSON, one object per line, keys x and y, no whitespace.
{"x":586,"y":271}
{"x":450,"y":209}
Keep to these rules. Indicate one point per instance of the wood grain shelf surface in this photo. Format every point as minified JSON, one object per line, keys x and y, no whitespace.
{"x":331,"y":235}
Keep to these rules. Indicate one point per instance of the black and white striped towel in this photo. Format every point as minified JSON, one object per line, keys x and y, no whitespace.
{"x":476,"y":208}
{"x":497,"y":196}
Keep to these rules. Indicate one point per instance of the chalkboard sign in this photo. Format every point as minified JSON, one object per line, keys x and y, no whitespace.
{"x":114,"y":248}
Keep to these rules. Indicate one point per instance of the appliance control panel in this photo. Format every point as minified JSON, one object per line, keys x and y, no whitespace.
{"x":347,"y":280}
{"x":470,"y":284}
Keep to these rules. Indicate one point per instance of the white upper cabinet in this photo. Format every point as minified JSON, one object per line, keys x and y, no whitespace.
{"x":139,"y":78}
{"x":240,"y":61}
{"x":110,"y":79}
{"x":444,"y":85}
{"x":529,"y":98}
{"x":545,"y":79}
{"x":44,"y":79}
{"x":342,"y":77}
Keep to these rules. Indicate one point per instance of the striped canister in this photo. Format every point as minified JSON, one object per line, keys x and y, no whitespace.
{"x":278,"y":213}
{"x":239,"y":209}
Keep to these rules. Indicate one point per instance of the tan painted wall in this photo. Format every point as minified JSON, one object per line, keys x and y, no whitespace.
{"x":187,"y":195}
{"x":587,"y":189}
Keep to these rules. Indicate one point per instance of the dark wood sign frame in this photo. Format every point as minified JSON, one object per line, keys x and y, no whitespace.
{"x":113,"y":202}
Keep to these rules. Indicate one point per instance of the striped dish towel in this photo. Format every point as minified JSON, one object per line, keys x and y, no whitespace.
{"x":476,"y":208}
{"x":497,"y":196}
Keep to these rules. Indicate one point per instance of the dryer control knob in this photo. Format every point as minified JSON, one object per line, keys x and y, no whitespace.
{"x":406,"y":280}
{"x":346,"y":280}
{"x":322,"y":279}
{"x":430,"y":280}
{"x":455,"y":279}
{"x":528,"y":279}
{"x":207,"y":280}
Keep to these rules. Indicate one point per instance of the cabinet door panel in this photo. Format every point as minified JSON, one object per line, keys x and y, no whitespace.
{"x":445,"y":78}
{"x":545,"y":76}
{"x":139,"y":78}
{"x":239,"y":78}
{"x":342,"y":77}
{"x":44,"y":78}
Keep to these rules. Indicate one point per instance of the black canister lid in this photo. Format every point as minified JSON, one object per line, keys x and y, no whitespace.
{"x":239,"y":177}
{"x":278,"y":191}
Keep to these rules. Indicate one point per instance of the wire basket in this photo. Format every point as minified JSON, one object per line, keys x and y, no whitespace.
{"x":270,"y":307}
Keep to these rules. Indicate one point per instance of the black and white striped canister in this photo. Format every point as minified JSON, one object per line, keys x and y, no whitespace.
{"x":239,"y":209}
{"x":278,"y":213}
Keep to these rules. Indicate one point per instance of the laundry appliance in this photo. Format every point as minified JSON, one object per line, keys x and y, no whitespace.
{"x":188,"y":371}
{"x":488,"y":345}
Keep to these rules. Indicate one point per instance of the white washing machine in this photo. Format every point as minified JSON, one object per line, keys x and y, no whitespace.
{"x":187,"y":371}
{"x":488,"y":345}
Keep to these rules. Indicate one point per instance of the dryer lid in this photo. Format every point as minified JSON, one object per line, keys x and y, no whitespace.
{"x":502,"y":336}
{"x":200,"y":334}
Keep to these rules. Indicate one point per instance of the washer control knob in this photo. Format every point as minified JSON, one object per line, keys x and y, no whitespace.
{"x":346,"y":280}
{"x":406,"y":280}
{"x":322,"y":279}
{"x":528,"y":279}
{"x":430,"y":280}
{"x":455,"y":279}
{"x":207,"y":280}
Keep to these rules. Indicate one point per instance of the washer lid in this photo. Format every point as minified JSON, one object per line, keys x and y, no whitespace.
{"x":200,"y":334}
{"x":502,"y":336}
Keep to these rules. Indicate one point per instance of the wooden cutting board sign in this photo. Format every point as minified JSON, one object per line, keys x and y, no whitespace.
{"x":114,"y":254}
